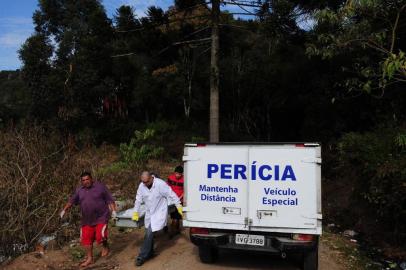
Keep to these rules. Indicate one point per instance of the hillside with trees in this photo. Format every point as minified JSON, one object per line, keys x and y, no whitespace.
{"x":327,"y":71}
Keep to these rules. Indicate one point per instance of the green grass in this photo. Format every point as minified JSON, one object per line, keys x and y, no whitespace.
{"x":77,"y":253}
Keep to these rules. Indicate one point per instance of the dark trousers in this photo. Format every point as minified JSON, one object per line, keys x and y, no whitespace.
{"x":147,"y":248}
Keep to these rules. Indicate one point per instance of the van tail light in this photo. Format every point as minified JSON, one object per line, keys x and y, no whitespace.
{"x":303,"y":237}
{"x":194,"y":230}
{"x":201,"y":145}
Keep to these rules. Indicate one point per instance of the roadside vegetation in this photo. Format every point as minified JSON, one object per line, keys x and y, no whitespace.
{"x":348,"y":253}
{"x":39,"y":170}
{"x":117,"y":95}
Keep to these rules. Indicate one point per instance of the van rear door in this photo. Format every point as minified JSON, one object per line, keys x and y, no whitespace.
{"x":212,"y":193}
{"x":285,"y":186}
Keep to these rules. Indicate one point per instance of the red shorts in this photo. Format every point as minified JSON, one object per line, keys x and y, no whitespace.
{"x":90,"y":233}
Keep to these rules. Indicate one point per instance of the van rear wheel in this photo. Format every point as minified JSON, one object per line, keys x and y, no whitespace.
{"x":208,"y":254}
{"x":310,"y":260}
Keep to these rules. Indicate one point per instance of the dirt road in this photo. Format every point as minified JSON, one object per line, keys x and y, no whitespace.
{"x":176,"y":254}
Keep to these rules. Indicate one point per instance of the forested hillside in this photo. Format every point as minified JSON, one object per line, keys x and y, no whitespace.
{"x":328,"y":71}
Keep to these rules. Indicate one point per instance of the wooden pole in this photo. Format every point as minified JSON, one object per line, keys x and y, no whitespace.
{"x":214,"y":73}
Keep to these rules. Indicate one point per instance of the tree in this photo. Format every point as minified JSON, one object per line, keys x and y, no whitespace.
{"x":214,"y":127}
{"x":35,"y":54}
{"x":371,"y":33}
{"x":125,"y":20}
{"x":124,"y":66}
{"x":77,"y":64}
{"x":14,"y":97}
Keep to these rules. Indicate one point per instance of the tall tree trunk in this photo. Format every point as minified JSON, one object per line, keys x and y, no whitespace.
{"x":214,"y":73}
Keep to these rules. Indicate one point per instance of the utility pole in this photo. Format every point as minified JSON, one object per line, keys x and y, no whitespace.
{"x":214,"y":73}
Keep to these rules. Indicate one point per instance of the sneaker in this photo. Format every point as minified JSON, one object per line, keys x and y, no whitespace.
{"x":139,"y":262}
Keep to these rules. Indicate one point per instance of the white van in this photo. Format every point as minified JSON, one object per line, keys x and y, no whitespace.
{"x":264,"y":197}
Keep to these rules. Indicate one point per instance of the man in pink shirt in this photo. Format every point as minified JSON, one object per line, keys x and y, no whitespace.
{"x":95,"y":202}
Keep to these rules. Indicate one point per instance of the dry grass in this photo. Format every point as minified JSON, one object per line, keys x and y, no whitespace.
{"x":39,"y":170}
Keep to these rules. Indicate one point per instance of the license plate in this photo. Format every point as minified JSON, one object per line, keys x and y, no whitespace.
{"x":252,"y":240}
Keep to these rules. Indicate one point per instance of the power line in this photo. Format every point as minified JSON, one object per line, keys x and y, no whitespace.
{"x":187,"y":36}
{"x":242,"y":13}
{"x":170,"y":22}
{"x":195,"y":32}
{"x":121,"y":55}
{"x":203,"y":52}
{"x":243,"y":8}
{"x":242,"y":3}
{"x":191,"y":41}
{"x":160,"y":25}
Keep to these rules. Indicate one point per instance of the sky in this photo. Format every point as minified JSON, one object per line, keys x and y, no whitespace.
{"x":16,"y":24}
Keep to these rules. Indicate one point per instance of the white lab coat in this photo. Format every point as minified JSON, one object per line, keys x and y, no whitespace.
{"x":156,"y":201}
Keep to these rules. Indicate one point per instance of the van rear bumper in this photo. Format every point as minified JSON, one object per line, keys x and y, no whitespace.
{"x":273,"y":244}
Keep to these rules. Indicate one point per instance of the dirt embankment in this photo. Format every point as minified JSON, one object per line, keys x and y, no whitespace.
{"x":176,"y":254}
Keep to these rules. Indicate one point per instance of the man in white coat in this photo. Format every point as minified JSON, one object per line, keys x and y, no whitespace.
{"x":156,"y":196}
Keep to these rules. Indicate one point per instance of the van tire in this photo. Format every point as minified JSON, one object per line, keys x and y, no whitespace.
{"x":208,"y":254}
{"x":310,"y":260}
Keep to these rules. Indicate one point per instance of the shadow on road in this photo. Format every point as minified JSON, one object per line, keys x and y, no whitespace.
{"x":255,"y":260}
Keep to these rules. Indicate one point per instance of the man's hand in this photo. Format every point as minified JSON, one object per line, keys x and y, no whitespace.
{"x":62,"y":214}
{"x":113,"y":214}
{"x":66,"y":208}
{"x":180,"y":210}
{"x":135,"y":216}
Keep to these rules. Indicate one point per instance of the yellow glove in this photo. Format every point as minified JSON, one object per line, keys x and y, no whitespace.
{"x":180,"y":210}
{"x":135,"y":216}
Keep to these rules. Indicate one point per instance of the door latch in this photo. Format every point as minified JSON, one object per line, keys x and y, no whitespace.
{"x":231,"y":211}
{"x":248,"y":221}
{"x":266,"y":213}
{"x":312,"y":160}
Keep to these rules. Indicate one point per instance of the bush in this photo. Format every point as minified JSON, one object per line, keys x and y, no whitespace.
{"x":135,"y":154}
{"x":39,"y":170}
{"x":378,"y":162}
{"x":139,"y":150}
